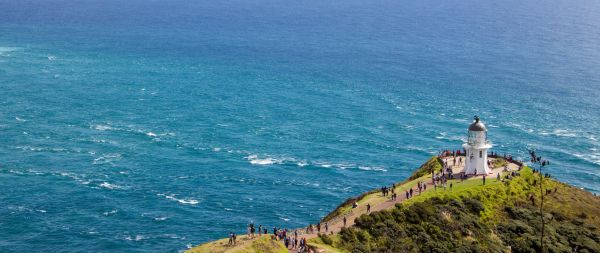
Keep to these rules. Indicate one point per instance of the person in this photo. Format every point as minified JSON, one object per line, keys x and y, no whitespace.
{"x":265,"y":231}
{"x":484,"y":179}
{"x":344,"y":221}
{"x":498,"y":177}
{"x":407,"y":197}
{"x":451,"y":186}
{"x":234,"y":239}
{"x":318,"y":227}
{"x":368,"y":207}
{"x":411,"y":192}
{"x":252,"y":230}
{"x":326,"y":227}
{"x":259,"y":229}
{"x":424,"y":187}
{"x":230,"y":238}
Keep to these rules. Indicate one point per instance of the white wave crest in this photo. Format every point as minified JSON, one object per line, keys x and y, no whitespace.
{"x":261,"y":161}
{"x":111,"y":212}
{"x":5,"y":51}
{"x":110,"y":186}
{"x":103,"y":127}
{"x":302,"y":164}
{"x":107,"y":158}
{"x":374,"y":168}
{"x":185,"y":201}
{"x":136,"y":238}
{"x":560,"y":133}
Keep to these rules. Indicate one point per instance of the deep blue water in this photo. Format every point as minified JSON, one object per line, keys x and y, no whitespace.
{"x":152,"y":125}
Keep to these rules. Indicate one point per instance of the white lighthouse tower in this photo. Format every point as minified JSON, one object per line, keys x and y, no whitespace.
{"x":477,"y":146}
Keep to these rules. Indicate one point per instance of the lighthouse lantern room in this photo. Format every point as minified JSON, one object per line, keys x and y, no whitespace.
{"x":476,"y":149}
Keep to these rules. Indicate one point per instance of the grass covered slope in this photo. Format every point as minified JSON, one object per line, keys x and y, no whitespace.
{"x":496,"y":217}
{"x":373,"y":196}
{"x":244,"y":245}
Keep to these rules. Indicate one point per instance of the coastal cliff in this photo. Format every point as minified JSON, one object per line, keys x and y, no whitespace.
{"x":497,"y":214}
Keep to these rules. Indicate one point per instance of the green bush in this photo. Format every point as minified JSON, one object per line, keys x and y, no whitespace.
{"x":457,"y":224}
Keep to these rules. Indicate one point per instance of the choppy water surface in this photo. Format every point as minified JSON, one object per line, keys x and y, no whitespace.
{"x":150,"y":126}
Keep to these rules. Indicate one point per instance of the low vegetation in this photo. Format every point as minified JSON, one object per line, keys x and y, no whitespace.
{"x":244,"y":245}
{"x":434,"y":164}
{"x":501,"y":216}
{"x":499,"y":162}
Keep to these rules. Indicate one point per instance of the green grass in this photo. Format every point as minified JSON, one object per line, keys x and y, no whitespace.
{"x":374,"y":197}
{"x":244,"y":245}
{"x":496,"y":195}
{"x":318,"y":243}
{"x":499,"y":162}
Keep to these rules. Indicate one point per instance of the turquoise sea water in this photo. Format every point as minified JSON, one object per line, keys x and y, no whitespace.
{"x":148,"y":126}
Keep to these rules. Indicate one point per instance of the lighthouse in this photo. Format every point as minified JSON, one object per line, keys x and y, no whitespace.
{"x":476,"y":148}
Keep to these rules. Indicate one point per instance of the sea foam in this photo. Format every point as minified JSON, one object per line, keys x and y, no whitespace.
{"x":185,"y":201}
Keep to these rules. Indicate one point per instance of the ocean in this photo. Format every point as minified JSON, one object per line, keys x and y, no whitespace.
{"x":152,"y":126}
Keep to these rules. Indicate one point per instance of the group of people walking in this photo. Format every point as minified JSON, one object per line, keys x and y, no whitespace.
{"x":290,"y":241}
{"x":281,"y":234}
{"x":387,"y":191}
{"x":311,"y":228}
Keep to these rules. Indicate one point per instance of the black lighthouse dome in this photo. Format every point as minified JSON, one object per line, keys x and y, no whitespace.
{"x":477,"y":126}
